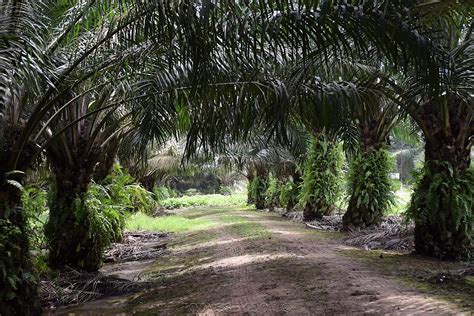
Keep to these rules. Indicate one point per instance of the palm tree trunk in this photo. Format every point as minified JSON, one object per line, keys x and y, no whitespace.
{"x":293,"y":200}
{"x":443,"y":201}
{"x":250,"y":176}
{"x":18,"y":292}
{"x":371,"y":189}
{"x":321,"y":178}
{"x":262,"y":176}
{"x":72,"y":239}
{"x":104,"y":166}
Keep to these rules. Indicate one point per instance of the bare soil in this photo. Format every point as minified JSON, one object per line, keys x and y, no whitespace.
{"x":257,"y":263}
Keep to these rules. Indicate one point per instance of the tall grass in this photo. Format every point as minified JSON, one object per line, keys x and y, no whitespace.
{"x":171,"y":224}
{"x":205,"y":200}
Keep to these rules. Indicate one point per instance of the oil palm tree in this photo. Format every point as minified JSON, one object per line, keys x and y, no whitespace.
{"x":374,"y":116}
{"x":284,"y":33}
{"x":263,"y":155}
{"x":48,"y":51}
{"x":443,"y":199}
{"x":440,"y":102}
{"x":88,"y":131}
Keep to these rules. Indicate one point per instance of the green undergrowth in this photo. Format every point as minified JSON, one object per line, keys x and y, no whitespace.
{"x":172,"y":224}
{"x":194,"y":213}
{"x":426,"y":275}
{"x":193,"y":240}
{"x":204,"y":200}
{"x":402,"y":199}
{"x":243,"y":227}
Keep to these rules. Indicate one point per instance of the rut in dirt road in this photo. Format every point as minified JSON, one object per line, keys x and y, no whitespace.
{"x":257,"y":263}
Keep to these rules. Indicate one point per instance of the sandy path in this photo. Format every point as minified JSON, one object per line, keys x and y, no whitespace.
{"x":264,"y":265}
{"x":313,"y":278}
{"x":344,"y":286}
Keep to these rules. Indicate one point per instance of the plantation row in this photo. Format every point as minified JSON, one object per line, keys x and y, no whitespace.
{"x":318,"y":183}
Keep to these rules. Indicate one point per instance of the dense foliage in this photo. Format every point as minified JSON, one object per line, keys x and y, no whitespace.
{"x":256,"y":191}
{"x":371,"y":190}
{"x":82,"y":81}
{"x":123,"y":191}
{"x":272,"y":194}
{"x":441,"y":187}
{"x":289,"y":195}
{"x":322,"y":186}
{"x":162,"y":193}
{"x":203,"y":200}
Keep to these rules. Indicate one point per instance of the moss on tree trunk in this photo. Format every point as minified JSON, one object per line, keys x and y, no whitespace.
{"x":321,"y":186}
{"x":261,"y":188}
{"x":371,"y":190}
{"x":18,"y":292}
{"x":72,"y":239}
{"x":443,"y":202}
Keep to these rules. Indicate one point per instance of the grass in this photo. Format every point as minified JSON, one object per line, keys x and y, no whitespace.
{"x":204,"y":200}
{"x":244,"y":228}
{"x":171,"y":224}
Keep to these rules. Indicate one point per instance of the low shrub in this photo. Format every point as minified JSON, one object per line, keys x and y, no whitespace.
{"x":108,"y":217}
{"x":204,"y":200}
{"x":140,"y":221}
{"x":35,"y":205}
{"x":126,"y":193}
{"x":225,"y":190}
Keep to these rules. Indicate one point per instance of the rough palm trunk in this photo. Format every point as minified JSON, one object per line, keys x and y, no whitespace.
{"x":18,"y":293}
{"x":371,"y":190}
{"x":443,"y":201}
{"x":250,"y":198}
{"x":102,"y":170}
{"x":261,"y":188}
{"x":72,"y":240}
{"x":321,"y":178}
{"x":370,"y":186}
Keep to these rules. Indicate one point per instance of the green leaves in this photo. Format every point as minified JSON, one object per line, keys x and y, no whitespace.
{"x":322,"y":177}
{"x":272,"y":193}
{"x":442,"y":208}
{"x":444,"y":188}
{"x":10,"y":275}
{"x":369,"y":182}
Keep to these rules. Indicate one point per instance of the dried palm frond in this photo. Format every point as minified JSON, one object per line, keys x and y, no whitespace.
{"x":73,"y":287}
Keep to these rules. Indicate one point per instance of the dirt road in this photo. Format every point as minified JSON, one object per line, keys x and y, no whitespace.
{"x":257,"y":263}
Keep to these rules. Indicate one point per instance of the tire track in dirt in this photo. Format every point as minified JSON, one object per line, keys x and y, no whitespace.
{"x":350,"y":287}
{"x":290,"y":271}
{"x":249,"y":290}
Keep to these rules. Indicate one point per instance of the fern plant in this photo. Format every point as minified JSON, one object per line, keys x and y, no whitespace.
{"x":107,"y":218}
{"x":370,"y":189}
{"x":125,"y":192}
{"x":272,"y":193}
{"x":256,"y":191}
{"x":286,"y":193}
{"x":322,"y":178}
{"x":442,"y":206}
